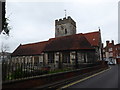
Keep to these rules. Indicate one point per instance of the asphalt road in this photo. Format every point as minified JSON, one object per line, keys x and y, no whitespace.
{"x":107,"y":79}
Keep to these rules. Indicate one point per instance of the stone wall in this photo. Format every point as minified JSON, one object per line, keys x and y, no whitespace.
{"x":64,"y":27}
{"x":82,"y":57}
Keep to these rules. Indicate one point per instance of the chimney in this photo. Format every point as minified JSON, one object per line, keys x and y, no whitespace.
{"x":107,"y":43}
{"x":112,"y":42}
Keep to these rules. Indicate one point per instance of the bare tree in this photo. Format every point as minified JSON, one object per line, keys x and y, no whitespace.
{"x":4,"y":49}
{"x":6,"y":28}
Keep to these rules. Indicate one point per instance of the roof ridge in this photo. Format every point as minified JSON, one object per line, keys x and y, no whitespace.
{"x":33,"y":43}
{"x":65,"y":36}
{"x":91,"y":32}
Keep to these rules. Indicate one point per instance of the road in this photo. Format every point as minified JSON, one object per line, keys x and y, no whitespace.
{"x":105,"y":79}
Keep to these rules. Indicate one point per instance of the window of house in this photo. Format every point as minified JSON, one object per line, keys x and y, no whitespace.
{"x":16,"y":59}
{"x":50,"y":57}
{"x":111,"y":54}
{"x":24,"y":60}
{"x":66,"y":57}
{"x":36,"y":60}
{"x":110,"y":49}
{"x":82,"y":58}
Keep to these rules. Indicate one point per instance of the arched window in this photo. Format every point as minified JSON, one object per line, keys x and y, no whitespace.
{"x":65,"y":31}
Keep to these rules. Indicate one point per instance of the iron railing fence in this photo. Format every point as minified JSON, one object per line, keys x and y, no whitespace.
{"x":17,"y":70}
{"x":13,"y":71}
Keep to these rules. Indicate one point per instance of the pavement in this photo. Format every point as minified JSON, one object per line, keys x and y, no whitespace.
{"x":104,"y":79}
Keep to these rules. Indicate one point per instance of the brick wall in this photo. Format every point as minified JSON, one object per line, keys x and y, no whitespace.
{"x":50,"y":78}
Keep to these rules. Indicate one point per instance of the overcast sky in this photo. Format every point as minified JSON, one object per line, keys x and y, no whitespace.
{"x":34,"y":21}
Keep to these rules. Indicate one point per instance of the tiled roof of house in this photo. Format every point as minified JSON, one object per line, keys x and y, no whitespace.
{"x":71,"y":42}
{"x":30,"y":49}
{"x":93,"y":38}
{"x":117,"y":44}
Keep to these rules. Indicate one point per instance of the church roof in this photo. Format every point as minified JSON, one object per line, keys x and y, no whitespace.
{"x":30,"y":49}
{"x":70,"y":42}
{"x":93,"y":37}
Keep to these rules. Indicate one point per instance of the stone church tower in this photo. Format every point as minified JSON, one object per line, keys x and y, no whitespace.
{"x":65,"y":27}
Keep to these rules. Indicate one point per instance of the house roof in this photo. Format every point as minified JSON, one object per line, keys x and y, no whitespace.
{"x":30,"y":49}
{"x":117,"y":44}
{"x":93,"y":38}
{"x":71,"y":42}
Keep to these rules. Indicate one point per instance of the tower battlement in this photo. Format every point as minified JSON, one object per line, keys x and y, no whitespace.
{"x":65,"y":26}
{"x":65,"y":20}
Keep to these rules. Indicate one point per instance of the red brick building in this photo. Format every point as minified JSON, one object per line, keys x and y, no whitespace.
{"x":117,"y":52}
{"x":111,"y":52}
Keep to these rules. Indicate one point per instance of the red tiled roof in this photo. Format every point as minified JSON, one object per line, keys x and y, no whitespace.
{"x":117,"y":44}
{"x":71,"y":42}
{"x":30,"y":49}
{"x":93,"y":38}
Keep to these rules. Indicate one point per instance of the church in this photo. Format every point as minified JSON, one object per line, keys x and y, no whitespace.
{"x":66,"y":50}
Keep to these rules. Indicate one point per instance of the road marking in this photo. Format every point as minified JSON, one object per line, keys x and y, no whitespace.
{"x":84,"y":78}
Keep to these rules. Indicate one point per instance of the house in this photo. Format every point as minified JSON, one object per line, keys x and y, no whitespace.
{"x":111,"y":52}
{"x":66,"y":50}
{"x":117,"y":46}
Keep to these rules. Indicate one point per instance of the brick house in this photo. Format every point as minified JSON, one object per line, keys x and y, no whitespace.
{"x":111,"y":52}
{"x":67,"y":49}
{"x":117,"y":53}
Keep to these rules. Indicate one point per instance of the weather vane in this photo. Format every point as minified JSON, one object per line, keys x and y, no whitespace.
{"x":65,"y":12}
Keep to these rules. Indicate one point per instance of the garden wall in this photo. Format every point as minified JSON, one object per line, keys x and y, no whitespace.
{"x":50,"y":78}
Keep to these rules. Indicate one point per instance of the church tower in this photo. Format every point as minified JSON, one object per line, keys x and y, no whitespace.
{"x":65,"y":26}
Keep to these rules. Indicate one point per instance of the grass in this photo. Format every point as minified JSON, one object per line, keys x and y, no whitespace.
{"x":59,"y":70}
{"x":21,"y":74}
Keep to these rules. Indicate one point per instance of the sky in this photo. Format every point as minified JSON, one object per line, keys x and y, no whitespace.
{"x":34,"y":20}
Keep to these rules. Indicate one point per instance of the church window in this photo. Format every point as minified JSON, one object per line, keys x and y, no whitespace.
{"x":36,"y":60}
{"x":65,"y":31}
{"x":66,"y":57}
{"x":51,"y":57}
